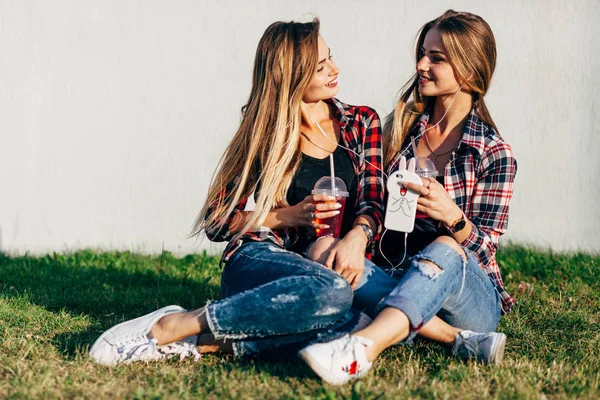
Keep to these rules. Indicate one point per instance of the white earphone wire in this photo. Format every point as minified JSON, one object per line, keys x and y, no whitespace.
{"x":344,"y":147}
{"x":394,"y":267}
{"x":431,"y":127}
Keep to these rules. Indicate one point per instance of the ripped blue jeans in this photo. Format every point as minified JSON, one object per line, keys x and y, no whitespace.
{"x":459,"y":293}
{"x":275,"y":301}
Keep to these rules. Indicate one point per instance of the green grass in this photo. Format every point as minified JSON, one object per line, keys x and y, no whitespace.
{"x":53,"y":307}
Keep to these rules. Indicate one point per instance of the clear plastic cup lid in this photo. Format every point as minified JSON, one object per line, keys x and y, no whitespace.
{"x":425,"y":167}
{"x":323,"y":186}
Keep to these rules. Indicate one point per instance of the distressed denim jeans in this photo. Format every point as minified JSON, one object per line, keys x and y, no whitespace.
{"x":460,"y":292}
{"x":276,"y":301}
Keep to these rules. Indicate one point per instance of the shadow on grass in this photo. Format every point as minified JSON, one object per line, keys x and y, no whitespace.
{"x":107,"y":288}
{"x":281,"y":368}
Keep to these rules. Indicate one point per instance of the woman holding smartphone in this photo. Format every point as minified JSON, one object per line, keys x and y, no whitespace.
{"x":452,"y":274}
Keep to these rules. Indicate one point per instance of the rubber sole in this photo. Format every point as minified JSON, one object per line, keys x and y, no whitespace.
{"x":498,"y":350}
{"x":323,"y":373}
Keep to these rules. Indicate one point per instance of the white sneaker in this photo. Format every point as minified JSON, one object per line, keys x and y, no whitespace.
{"x":340,"y":360}
{"x":128,"y":341}
{"x":486,"y":347}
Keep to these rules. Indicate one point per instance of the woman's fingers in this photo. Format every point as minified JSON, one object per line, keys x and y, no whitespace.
{"x":415,"y":187}
{"x":322,"y":198}
{"x":350,"y":278}
{"x":316,"y":208}
{"x":319,"y":226}
{"x":325,"y":215}
{"x":343,"y":271}
{"x":423,"y":209}
{"x":355,"y":280}
{"x":424,"y":201}
{"x":327,"y":206}
{"x":330,"y":259}
{"x":427,"y":182}
{"x":321,"y":211}
{"x":350,"y":274}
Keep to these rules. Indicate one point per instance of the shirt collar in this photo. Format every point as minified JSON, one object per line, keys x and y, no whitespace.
{"x":473,"y":133}
{"x":342,"y":111}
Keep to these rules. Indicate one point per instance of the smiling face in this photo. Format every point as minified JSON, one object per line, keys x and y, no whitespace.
{"x":436,"y":75}
{"x":324,"y":83}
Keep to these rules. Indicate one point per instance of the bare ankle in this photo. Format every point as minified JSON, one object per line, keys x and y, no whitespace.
{"x":208,"y":344}
{"x":202,"y":320}
{"x":158,"y":331}
{"x":372,"y":353}
{"x":175,"y":327}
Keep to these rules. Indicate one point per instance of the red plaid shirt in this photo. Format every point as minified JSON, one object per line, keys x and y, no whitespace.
{"x":360,"y":129}
{"x":479,"y":178}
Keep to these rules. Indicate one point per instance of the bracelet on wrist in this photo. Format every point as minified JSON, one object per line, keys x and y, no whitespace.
{"x":367,"y":231}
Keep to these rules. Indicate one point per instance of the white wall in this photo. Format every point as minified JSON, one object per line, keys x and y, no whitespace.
{"x":113,"y":114}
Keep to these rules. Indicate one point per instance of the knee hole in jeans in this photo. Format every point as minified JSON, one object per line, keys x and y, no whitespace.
{"x":450,"y":242}
{"x":430,"y":269}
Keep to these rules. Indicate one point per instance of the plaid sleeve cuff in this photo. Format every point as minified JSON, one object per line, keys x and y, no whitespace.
{"x":377,"y":216}
{"x":480,"y":244}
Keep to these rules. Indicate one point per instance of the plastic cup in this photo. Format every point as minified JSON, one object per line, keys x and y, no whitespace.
{"x":324,"y":187}
{"x":424,"y":168}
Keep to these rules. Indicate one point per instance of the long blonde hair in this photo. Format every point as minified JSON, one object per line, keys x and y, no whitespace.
{"x":471,"y":51}
{"x":266,"y":147}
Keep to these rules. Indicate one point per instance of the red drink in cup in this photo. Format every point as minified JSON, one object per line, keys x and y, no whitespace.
{"x":324,"y":187}
{"x":425,"y":168}
{"x":335,"y":223}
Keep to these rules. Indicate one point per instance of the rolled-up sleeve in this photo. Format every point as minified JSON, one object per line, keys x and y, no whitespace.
{"x":220,"y":230}
{"x":490,"y":202}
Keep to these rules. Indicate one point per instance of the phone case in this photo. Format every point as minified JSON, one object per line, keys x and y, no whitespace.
{"x":402,"y":203}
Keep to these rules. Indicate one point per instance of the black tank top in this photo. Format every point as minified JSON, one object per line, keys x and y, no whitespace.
{"x":309,"y":172}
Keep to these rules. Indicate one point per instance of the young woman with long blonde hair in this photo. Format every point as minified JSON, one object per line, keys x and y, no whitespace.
{"x":273,"y":296}
{"x":452,"y":274}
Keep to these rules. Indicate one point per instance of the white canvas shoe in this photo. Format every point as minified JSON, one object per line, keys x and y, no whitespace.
{"x":128,"y":341}
{"x":486,"y":347}
{"x":340,"y":360}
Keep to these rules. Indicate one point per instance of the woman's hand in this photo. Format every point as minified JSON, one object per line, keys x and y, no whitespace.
{"x":347,"y":257}
{"x":435,"y":201}
{"x":307,"y":212}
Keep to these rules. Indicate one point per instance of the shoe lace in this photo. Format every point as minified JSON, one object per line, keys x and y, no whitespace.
{"x":466,"y":346}
{"x":139,"y":348}
{"x":135,"y":338}
{"x":348,"y":345}
{"x":183,"y":349}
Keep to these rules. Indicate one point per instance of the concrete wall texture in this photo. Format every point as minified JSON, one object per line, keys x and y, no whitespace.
{"x":114,"y":113}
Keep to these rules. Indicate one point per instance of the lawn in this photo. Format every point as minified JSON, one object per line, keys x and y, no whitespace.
{"x":53,"y":307}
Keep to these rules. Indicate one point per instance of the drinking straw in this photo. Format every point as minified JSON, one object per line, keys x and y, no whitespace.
{"x":332,"y":173}
{"x":414,"y":146}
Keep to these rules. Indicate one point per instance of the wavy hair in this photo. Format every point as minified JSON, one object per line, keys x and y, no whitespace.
{"x":471,"y":51}
{"x":265,"y":149}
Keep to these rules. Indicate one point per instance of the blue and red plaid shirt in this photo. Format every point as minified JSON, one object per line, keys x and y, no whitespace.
{"x":360,"y":130}
{"x":479,"y":178}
